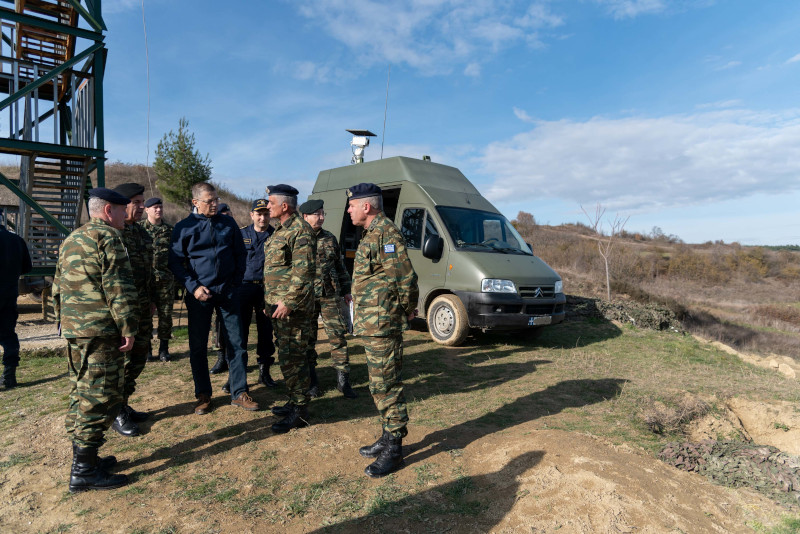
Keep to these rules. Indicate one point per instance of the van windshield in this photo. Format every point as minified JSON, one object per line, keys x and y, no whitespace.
{"x":482,"y":231}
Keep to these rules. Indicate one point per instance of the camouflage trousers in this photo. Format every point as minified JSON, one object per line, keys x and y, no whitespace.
{"x":291,"y":340}
{"x":96,"y":379}
{"x":136,"y":358}
{"x":385,"y":363}
{"x":164,"y":300}
{"x":334,"y":329}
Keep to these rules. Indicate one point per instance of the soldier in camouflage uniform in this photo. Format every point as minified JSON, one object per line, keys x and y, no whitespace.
{"x":140,"y":251}
{"x":94,"y":298}
{"x":163,"y":279}
{"x":330,"y":287}
{"x":289,"y":271}
{"x":385,"y":295}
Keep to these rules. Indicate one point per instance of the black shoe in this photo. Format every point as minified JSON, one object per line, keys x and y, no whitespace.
{"x":284,"y":410}
{"x":9,"y":378}
{"x":313,"y":391}
{"x":343,"y":385}
{"x":389,"y":460}
{"x":104,"y":463}
{"x":372,"y":451}
{"x":297,"y":418}
{"x":124,"y":425}
{"x":151,"y":358}
{"x":226,"y":387}
{"x":264,"y":377}
{"x":87,"y":474}
{"x":163,"y":351}
{"x":221,"y":366}
{"x":136,"y":417}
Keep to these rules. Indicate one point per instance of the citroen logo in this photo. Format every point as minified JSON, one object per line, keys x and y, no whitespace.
{"x":538,"y":293}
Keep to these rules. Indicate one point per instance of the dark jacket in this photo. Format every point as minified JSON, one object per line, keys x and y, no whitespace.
{"x":254,"y":244}
{"x":207,"y":251}
{"x":14,"y":261}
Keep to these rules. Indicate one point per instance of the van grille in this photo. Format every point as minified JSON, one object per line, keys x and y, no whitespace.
{"x":530,"y":292}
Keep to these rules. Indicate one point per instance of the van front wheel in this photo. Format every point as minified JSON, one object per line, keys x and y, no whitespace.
{"x":447,"y":320}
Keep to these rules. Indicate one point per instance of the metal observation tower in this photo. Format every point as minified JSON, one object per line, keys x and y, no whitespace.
{"x":52,"y":58}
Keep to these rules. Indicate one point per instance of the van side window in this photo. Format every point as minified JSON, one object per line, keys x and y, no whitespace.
{"x":412,"y":227}
{"x":430,"y":227}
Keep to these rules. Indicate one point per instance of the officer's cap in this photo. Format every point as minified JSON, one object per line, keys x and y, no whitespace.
{"x":222,"y":207}
{"x":363,"y":191}
{"x":109,"y":195}
{"x":282,"y":189}
{"x":130,"y":189}
{"x":260,"y":204}
{"x":310,"y":206}
{"x":150,"y":202}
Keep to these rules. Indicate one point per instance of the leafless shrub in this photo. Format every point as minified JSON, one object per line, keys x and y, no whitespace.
{"x":669,"y":417}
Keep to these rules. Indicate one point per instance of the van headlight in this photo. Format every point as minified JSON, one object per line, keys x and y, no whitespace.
{"x":559,"y":287}
{"x":495,"y":285}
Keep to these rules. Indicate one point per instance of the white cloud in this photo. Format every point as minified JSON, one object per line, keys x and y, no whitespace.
{"x":522,"y":115}
{"x":433,"y":36}
{"x":729,"y":65}
{"x":793,"y":59}
{"x":625,"y":9}
{"x":473,"y":69}
{"x":641,"y":164}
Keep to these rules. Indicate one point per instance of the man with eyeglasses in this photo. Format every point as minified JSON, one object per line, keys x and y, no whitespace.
{"x":331,"y":285}
{"x":207,"y":255}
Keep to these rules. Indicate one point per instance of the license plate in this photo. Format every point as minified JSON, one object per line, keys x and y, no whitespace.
{"x":539,"y":320}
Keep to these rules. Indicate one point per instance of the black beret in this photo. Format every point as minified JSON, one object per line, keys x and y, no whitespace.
{"x":130,"y":189}
{"x":260,"y":204}
{"x":152,"y":202}
{"x":310,"y":206}
{"x":222,"y":207}
{"x":282,"y":189}
{"x":109,"y":195}
{"x":363,"y":190}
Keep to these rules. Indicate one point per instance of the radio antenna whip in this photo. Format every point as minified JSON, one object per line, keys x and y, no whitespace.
{"x":385,"y":109}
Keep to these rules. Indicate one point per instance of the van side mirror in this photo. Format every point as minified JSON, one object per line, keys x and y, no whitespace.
{"x":433,"y":247}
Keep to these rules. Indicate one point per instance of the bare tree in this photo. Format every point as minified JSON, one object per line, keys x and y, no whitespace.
{"x":605,"y":243}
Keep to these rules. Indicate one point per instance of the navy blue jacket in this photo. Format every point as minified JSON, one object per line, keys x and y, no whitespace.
{"x":15,"y":260}
{"x":207,"y":251}
{"x":254,"y":243}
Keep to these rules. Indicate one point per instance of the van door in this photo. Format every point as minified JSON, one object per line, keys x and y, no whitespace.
{"x":416,"y":224}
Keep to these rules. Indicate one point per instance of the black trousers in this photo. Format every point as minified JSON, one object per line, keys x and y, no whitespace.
{"x":8,"y":335}
{"x":251,"y":297}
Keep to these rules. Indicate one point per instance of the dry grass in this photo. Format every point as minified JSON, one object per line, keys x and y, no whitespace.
{"x":673,"y":415}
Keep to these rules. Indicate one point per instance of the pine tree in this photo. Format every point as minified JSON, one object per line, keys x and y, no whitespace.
{"x":179,"y":166}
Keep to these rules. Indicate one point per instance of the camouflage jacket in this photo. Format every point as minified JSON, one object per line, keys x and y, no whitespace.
{"x":160,"y":235}
{"x":385,"y":288}
{"x":333,"y":280}
{"x":94,"y":294}
{"x":290,"y":265}
{"x":140,"y":251}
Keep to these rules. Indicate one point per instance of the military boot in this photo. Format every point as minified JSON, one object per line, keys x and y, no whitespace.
{"x":124,"y":425}
{"x":343,"y":385}
{"x":372,"y":451}
{"x":9,"y":378}
{"x":389,"y":460}
{"x":297,"y":418}
{"x":163,"y":350}
{"x":222,"y":364}
{"x":104,"y":463}
{"x":313,"y":391}
{"x":87,"y":475}
{"x":264,"y":377}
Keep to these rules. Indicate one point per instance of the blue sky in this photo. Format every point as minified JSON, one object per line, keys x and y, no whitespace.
{"x":680,"y":114}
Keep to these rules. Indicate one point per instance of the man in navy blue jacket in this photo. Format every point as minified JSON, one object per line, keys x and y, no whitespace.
{"x":207,"y":255}
{"x":14,"y":262}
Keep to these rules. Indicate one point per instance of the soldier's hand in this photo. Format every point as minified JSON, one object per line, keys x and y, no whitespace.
{"x":348,"y":299}
{"x":202,"y":293}
{"x":128,"y":345}
{"x":281,"y":311}
{"x":412,"y":315}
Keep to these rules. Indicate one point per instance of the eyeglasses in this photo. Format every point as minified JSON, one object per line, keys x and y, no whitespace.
{"x":209,"y":201}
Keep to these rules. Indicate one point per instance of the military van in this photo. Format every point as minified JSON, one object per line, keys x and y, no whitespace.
{"x":475,"y":271}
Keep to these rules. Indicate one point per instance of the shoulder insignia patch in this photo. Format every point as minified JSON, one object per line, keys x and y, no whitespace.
{"x":302,"y":241}
{"x":388,"y":249}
